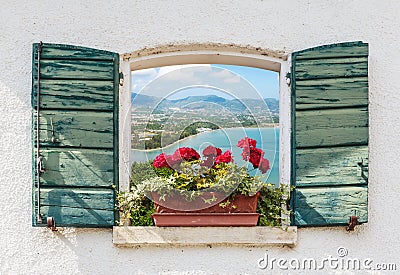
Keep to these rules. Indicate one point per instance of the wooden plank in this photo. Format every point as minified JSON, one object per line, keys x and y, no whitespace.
{"x":78,"y":207}
{"x":76,"y":94}
{"x":336,"y":92}
{"x":331,"y":68}
{"x":128,"y":236}
{"x":332,"y":127}
{"x":76,"y":128}
{"x":78,"y":168}
{"x":347,"y":49}
{"x":51,"y":51}
{"x":330,"y":166}
{"x":77,"y":69}
{"x":78,"y":217}
{"x":333,"y":206}
{"x":88,"y":198}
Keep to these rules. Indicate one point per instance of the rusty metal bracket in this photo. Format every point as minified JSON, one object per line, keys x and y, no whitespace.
{"x":51,"y":224}
{"x":352,"y":223}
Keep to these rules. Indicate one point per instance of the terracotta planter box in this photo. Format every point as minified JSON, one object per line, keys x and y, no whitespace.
{"x":205,"y":219}
{"x":177,"y":211}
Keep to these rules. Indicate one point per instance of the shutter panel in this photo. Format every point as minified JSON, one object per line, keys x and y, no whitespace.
{"x":330,"y":134}
{"x":78,"y":133}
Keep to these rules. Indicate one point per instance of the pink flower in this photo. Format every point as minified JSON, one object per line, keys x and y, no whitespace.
{"x":212,"y":151}
{"x":246,"y":142}
{"x":264,"y":166}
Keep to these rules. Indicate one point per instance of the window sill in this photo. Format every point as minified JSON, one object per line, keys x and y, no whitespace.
{"x":131,"y":236}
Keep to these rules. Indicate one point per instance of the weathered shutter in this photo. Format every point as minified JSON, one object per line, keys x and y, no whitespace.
{"x":78,"y":133}
{"x":330,"y":134}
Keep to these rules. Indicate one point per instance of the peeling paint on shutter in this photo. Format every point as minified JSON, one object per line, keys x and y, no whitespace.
{"x":329,"y":134}
{"x":78,"y":128}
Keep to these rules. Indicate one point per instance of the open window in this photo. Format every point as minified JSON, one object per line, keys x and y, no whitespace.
{"x":81,"y":151}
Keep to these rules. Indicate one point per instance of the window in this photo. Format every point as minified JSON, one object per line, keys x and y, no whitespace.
{"x":80,"y":154}
{"x":201,"y":105}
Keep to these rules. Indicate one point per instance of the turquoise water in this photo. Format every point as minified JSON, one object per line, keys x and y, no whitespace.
{"x":226,"y":139}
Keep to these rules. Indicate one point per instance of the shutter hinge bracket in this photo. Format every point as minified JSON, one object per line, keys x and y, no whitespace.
{"x":288,"y":78}
{"x":51,"y":224}
{"x":352,"y":223}
{"x":121,"y":79}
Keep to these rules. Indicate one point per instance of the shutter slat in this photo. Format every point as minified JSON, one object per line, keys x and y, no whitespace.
{"x":333,"y":205}
{"x":350,"y":49}
{"x":76,"y":94}
{"x":331,"y":68}
{"x":330,"y":134}
{"x":77,"y":69}
{"x":95,"y":199}
{"x":76,"y":129}
{"x":79,"y":217}
{"x":330,"y":166}
{"x":77,"y":168}
{"x":58,"y":51}
{"x":78,"y":135}
{"x":321,"y":93}
{"x":332,"y":127}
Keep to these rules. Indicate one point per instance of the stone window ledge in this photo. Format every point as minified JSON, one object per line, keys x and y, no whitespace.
{"x":131,"y":236}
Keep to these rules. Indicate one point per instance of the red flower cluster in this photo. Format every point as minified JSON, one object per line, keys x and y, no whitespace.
{"x":160,"y":161}
{"x":254,"y":155}
{"x":212,"y":155}
{"x":185,"y":153}
{"x":181,"y":154}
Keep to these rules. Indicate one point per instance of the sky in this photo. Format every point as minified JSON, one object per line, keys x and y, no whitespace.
{"x":228,"y":81}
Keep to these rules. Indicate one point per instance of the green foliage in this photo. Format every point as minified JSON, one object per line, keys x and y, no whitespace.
{"x":272,"y":204}
{"x":192,"y":128}
{"x":135,"y":208}
{"x":141,"y":171}
{"x":191,"y":178}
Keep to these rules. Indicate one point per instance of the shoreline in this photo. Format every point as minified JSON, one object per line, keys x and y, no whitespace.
{"x":196,"y":135}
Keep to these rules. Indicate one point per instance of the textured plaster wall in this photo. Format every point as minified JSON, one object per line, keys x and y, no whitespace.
{"x":127,"y":26}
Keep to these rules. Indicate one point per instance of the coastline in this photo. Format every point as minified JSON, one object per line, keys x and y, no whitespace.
{"x":196,"y":135}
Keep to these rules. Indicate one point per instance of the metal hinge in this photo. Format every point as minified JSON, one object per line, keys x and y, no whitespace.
{"x":121,"y":79}
{"x":352,"y":223}
{"x":288,"y":78}
{"x":51,"y":224}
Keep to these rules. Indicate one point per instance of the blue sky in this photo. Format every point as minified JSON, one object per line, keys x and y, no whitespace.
{"x":227,"y":81}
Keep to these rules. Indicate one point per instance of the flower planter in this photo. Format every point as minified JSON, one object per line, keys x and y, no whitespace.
{"x":205,"y":219}
{"x":175,"y":210}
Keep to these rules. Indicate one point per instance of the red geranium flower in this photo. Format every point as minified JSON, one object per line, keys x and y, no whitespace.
{"x":212,"y":151}
{"x":160,"y":161}
{"x":255,"y":156}
{"x":264,"y":166}
{"x":246,"y":142}
{"x":224,"y":158}
{"x":185,"y":153}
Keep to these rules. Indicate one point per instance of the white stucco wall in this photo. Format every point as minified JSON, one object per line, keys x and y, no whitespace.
{"x":126,"y":26}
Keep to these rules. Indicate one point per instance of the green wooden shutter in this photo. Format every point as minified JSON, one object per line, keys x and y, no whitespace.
{"x":330,"y":134}
{"x":78,"y":128}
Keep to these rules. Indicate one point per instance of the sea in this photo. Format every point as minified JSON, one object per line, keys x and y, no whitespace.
{"x":226,"y":139}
